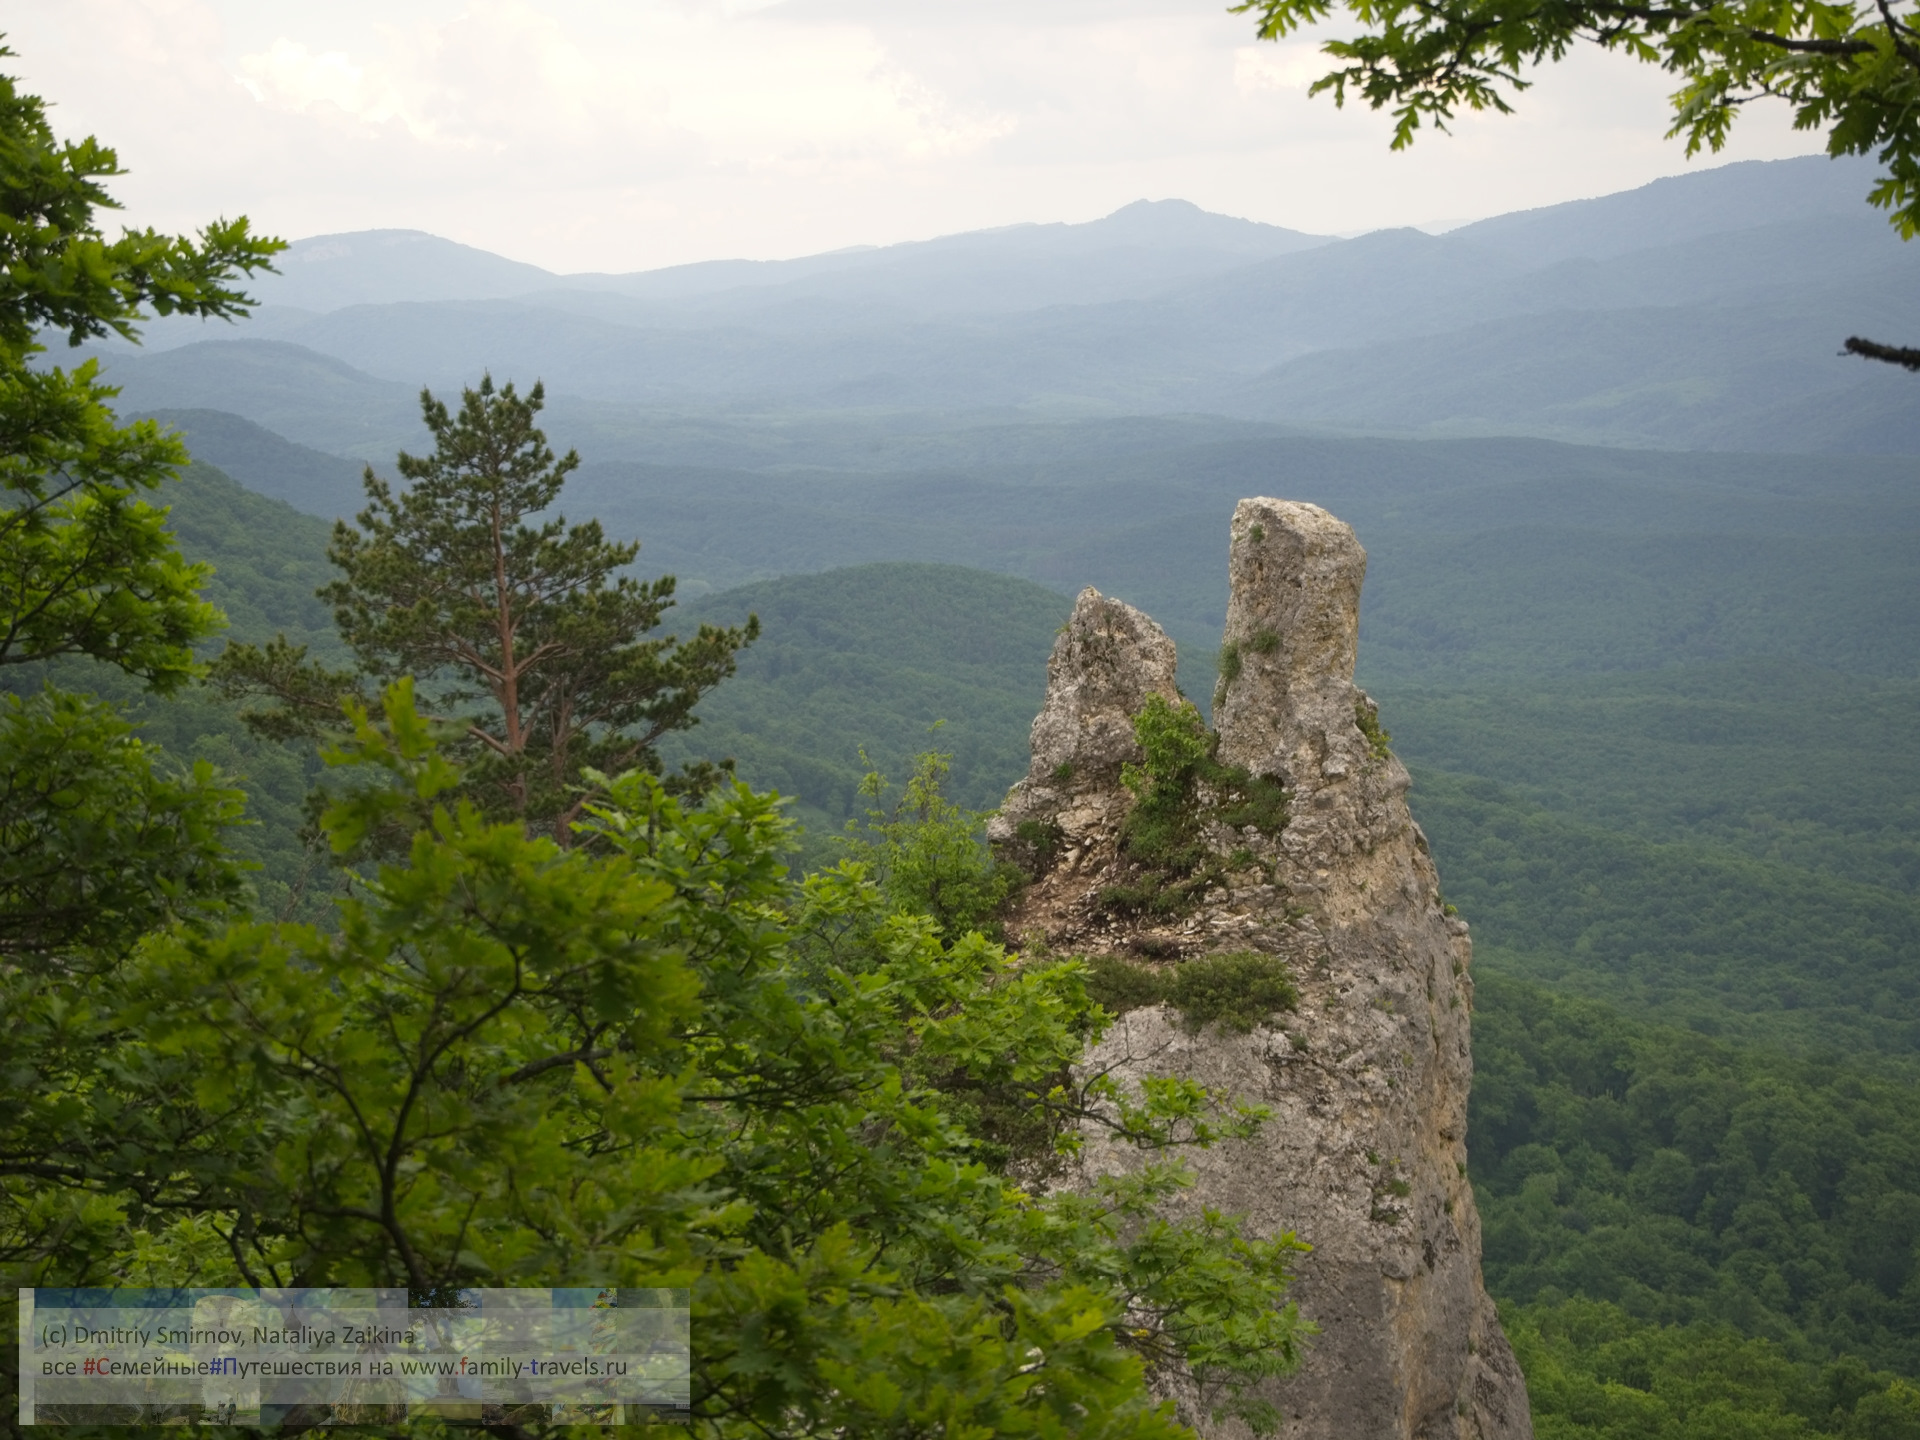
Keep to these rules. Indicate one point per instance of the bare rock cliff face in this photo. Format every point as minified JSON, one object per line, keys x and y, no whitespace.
{"x":1365,"y":1157}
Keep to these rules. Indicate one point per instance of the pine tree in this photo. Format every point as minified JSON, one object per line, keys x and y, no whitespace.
{"x":517,"y":626}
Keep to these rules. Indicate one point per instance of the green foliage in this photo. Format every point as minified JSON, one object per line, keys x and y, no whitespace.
{"x":265,"y":560}
{"x":86,"y":564}
{"x":624,"y":1062}
{"x":482,"y":958}
{"x":90,"y":568}
{"x":1235,"y":989}
{"x":1228,"y":664}
{"x":1688,"y":1181}
{"x":528,"y":637}
{"x":929,"y":855}
{"x":1366,"y":715}
{"x":1850,"y":72}
{"x":62,"y":272}
{"x":1118,"y":985}
{"x":862,"y":661}
{"x":1595,"y":1373}
{"x":1176,"y":745}
{"x":1180,"y":793}
{"x":99,"y":843}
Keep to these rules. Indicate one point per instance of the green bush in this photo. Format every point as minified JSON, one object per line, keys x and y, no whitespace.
{"x":1178,"y":792}
{"x":928,"y":854}
{"x":1238,"y":990}
{"x":1366,"y":715}
{"x":1229,"y":667}
{"x":1118,"y":985}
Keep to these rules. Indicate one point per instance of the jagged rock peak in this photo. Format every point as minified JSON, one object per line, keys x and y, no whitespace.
{"x":1285,"y":706}
{"x":1367,"y":1077}
{"x":1106,"y":660}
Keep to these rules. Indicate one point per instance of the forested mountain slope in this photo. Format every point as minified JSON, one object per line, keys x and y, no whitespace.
{"x":311,"y":481}
{"x":1600,"y":559}
{"x":887,"y":660}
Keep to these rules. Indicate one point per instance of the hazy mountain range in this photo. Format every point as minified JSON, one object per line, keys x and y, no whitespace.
{"x":1703,"y":311}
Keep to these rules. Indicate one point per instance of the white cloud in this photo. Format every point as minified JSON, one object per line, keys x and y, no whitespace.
{"x":724,"y":82}
{"x":616,"y":134}
{"x":294,"y":78}
{"x":1277,"y":67}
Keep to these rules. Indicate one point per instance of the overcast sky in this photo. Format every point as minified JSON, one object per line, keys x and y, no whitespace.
{"x":626,"y":134}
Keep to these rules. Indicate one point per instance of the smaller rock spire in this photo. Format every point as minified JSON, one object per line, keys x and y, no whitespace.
{"x":1367,"y":1076}
{"x":1108,"y":658}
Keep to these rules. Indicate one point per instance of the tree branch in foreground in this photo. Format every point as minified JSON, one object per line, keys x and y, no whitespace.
{"x":1892,"y":354}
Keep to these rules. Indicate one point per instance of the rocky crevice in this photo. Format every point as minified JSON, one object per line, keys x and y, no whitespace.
{"x":1365,"y":1158}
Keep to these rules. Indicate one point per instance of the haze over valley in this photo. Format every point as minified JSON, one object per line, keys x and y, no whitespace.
{"x":1690,"y":314}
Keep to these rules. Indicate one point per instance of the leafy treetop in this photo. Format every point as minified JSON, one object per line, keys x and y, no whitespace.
{"x":98,"y":840}
{"x":1852,"y":71}
{"x":58,"y":270}
{"x":653,"y":1061}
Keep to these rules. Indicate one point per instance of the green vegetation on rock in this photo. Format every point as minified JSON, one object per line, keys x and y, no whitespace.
{"x":1235,"y":989}
{"x":1181,"y":792}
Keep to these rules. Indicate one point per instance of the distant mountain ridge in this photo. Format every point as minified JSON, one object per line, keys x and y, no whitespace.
{"x":380,"y":267}
{"x":377,"y":267}
{"x":1704,"y":310}
{"x":1721,"y":200}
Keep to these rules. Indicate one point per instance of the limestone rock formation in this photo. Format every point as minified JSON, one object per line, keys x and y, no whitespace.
{"x":1108,"y":659}
{"x":1365,"y":1157}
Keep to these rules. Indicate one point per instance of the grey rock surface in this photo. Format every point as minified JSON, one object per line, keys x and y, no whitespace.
{"x":1107,"y":659}
{"x":1365,"y":1157}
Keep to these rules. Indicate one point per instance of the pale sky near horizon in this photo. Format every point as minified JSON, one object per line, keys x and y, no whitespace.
{"x":628,"y":134}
